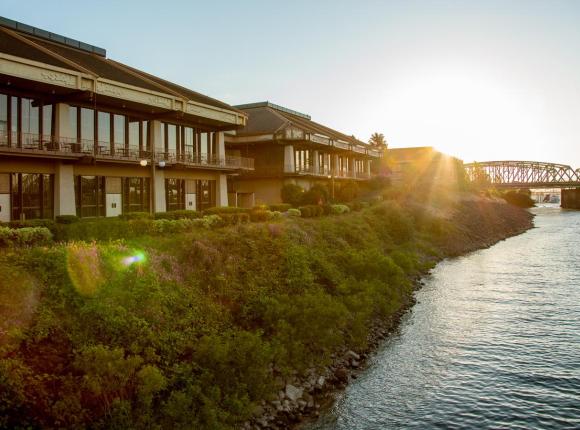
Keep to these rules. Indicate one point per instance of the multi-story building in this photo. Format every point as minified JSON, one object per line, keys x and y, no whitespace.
{"x":423,"y":164}
{"x":83,"y":134}
{"x":288,"y":147}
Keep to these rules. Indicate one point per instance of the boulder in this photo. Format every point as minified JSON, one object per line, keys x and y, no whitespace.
{"x":293,"y":393}
{"x":351,"y":355}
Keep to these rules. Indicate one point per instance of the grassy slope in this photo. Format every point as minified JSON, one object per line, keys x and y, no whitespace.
{"x":193,"y":336}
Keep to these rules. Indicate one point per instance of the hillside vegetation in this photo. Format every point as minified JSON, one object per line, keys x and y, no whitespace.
{"x":194,"y":330}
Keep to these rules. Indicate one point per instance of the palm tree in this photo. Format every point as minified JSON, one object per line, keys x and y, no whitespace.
{"x":378,"y":140}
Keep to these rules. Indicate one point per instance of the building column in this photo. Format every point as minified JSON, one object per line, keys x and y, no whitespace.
{"x":222,"y":190}
{"x":62,"y":125}
{"x":335,"y":165}
{"x":351,"y":167}
{"x":221,"y":147}
{"x":368,"y":167}
{"x":64,"y":190}
{"x":159,"y":202}
{"x":5,"y":208}
{"x":316,"y":163}
{"x":289,"y":165}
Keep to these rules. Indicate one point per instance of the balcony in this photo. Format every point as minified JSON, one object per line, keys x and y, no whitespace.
{"x":36,"y":145}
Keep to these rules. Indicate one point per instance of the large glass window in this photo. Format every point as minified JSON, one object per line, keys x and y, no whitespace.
{"x":175,"y":194}
{"x":104,"y":122}
{"x":90,"y":196}
{"x":119,"y":134}
{"x":87,"y":128}
{"x":32,"y":195}
{"x":189,"y":143}
{"x":171,"y":142}
{"x":136,"y":195}
{"x":206,"y":194}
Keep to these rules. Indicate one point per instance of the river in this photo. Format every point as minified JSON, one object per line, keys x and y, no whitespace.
{"x":492,"y":342}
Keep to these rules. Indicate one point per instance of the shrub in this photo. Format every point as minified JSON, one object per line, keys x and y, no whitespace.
{"x":316,"y":195}
{"x":180,"y":214}
{"x":135,"y":215}
{"x":309,"y":211}
{"x":339,"y":209}
{"x":212,"y":221}
{"x":25,"y":236}
{"x":326,"y":209}
{"x":281,"y":207}
{"x":225,"y":210}
{"x":48,"y":223}
{"x":261,"y":215}
{"x":347,"y":192}
{"x":235,"y":218}
{"x":292,"y":194}
{"x":67,"y":219}
{"x":519,"y":199}
{"x":294,"y":212}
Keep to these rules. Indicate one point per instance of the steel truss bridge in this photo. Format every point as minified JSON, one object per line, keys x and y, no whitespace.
{"x":523,"y":174}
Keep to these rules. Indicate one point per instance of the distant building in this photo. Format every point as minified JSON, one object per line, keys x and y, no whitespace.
{"x":83,"y":134}
{"x":288,"y":147}
{"x":421,"y":164}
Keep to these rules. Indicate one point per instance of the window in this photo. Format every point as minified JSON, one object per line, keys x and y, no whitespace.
{"x":119,"y":134}
{"x":32,"y":195}
{"x":24,"y":122}
{"x":90,"y":196}
{"x":136,"y":195}
{"x":87,"y":126}
{"x":205,"y":195}
{"x":175,"y":194}
{"x":104,"y":132}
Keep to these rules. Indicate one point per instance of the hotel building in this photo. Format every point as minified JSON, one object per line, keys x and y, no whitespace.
{"x":288,"y":147}
{"x":83,"y":134}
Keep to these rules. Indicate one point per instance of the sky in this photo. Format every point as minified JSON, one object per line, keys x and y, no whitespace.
{"x":488,"y":80}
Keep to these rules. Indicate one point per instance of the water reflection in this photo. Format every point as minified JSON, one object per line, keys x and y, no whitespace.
{"x":493,"y":342}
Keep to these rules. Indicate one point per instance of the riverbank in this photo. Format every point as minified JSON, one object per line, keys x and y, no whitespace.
{"x":214,"y":329}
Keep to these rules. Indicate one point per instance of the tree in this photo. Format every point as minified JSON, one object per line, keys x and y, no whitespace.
{"x":378,"y":140}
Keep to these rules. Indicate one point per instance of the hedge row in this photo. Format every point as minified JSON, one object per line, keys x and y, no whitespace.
{"x":26,"y":236}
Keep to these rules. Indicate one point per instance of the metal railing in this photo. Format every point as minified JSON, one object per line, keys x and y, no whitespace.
{"x":64,"y":146}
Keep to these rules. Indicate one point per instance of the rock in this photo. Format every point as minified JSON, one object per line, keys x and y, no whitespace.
{"x":294,"y":393}
{"x":342,"y":374}
{"x":351,"y":355}
{"x":281,"y":395}
{"x":320,"y":382}
{"x":354,"y":363}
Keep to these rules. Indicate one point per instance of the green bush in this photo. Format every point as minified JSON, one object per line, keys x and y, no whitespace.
{"x":292,"y":212}
{"x":67,"y":219}
{"x":235,"y":218}
{"x":261,"y":215}
{"x":281,"y":207}
{"x":316,"y":195}
{"x":48,"y":223}
{"x":347,"y":192}
{"x":135,"y":215}
{"x":25,"y":236}
{"x":339,"y":209}
{"x":292,"y":194}
{"x":180,"y":214}
{"x":309,"y":211}
{"x":218,"y":210}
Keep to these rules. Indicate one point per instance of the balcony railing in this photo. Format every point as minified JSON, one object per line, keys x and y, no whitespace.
{"x":62,"y":146}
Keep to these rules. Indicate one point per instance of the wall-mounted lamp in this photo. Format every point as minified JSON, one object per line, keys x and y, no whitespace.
{"x":143,"y":163}
{"x":162,"y":163}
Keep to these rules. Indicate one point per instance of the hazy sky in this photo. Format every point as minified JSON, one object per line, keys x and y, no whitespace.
{"x":480,"y":80}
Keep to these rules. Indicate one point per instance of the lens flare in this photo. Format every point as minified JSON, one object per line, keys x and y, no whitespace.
{"x":138,"y":257}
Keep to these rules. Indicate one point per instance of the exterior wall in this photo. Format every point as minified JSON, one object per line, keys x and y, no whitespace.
{"x":64,"y":190}
{"x":5,"y":208}
{"x":571,"y":198}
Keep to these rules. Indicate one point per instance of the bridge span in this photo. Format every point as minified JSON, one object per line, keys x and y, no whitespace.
{"x":523,"y":174}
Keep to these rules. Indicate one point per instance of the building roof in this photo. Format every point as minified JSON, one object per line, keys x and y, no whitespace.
{"x":266,"y":118}
{"x":31,"y":43}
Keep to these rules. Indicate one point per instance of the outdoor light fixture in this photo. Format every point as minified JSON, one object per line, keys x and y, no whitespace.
{"x":143,"y":163}
{"x":162,"y":163}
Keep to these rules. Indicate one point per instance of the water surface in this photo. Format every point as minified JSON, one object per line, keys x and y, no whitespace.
{"x":493,"y":342}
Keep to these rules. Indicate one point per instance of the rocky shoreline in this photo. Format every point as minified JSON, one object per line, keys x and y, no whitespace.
{"x":304,"y":396}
